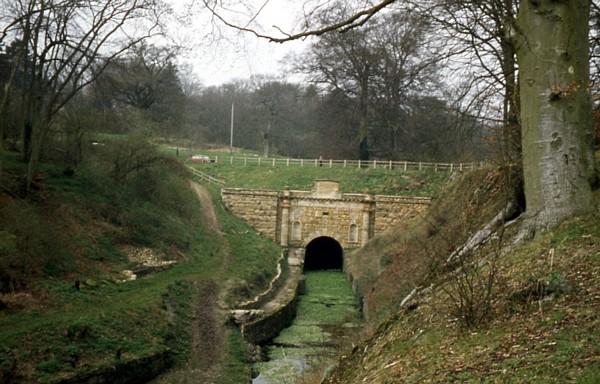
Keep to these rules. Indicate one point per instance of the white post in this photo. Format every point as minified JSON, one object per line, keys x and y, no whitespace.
{"x":287,"y":162}
{"x":374,"y":164}
{"x":273,"y":162}
{"x":358,"y":163}
{"x":390,"y":165}
{"x":330,"y":163}
{"x":344,"y":163}
{"x":259,"y":161}
{"x":405,"y":166}
{"x":302,"y":162}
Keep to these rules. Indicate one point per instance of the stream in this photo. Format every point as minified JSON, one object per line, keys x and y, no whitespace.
{"x":327,"y":315}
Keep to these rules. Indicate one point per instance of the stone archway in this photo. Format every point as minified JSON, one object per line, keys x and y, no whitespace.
{"x":323,"y":253}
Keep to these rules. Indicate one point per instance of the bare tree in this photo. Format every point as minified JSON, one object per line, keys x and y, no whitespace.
{"x":141,"y":79}
{"x":346,"y":62}
{"x":479,"y":37}
{"x":62,"y":46}
{"x":380,"y":66}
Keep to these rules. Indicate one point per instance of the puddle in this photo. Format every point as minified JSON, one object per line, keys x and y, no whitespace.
{"x":327,"y":313}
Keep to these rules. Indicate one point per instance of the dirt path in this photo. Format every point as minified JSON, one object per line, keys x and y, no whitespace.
{"x":208,"y":334}
{"x":208,"y":209}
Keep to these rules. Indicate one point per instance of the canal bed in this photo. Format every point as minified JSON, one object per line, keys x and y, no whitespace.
{"x":327,"y":316}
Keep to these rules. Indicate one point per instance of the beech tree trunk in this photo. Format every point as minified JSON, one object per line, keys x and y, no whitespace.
{"x":556,"y":109}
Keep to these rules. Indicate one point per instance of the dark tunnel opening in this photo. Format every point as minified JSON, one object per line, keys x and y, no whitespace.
{"x":324,"y":253}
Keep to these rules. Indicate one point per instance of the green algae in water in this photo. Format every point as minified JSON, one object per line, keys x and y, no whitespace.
{"x":328,"y":304}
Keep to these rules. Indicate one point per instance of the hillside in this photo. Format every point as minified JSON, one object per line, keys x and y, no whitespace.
{"x":352,"y":180}
{"x":69,"y":311}
{"x":504,"y":313}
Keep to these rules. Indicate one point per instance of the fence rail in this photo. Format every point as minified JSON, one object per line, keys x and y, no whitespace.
{"x":205,"y":177}
{"x":330,"y":163}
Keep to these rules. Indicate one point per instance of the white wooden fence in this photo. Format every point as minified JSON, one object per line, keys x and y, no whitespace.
{"x":330,"y":163}
{"x":205,"y":177}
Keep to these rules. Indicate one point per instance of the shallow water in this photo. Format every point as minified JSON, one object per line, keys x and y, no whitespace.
{"x":327,"y":313}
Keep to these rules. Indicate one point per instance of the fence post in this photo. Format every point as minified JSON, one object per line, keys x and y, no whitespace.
{"x":374,"y":164}
{"x":461,"y":167}
{"x":420,"y":166}
{"x":302,"y":162}
{"x":287,"y":162}
{"x":259,"y":161}
{"x":405,"y":166}
{"x":245,"y":161}
{"x":273,"y":162}
{"x":330,"y":163}
{"x":344,"y":163}
{"x":358,"y":163}
{"x":451,"y":166}
{"x":435,"y":167}
{"x":390,"y":165}
{"x":316,"y":161}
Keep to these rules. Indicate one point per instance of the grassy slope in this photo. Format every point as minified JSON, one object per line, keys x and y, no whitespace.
{"x":395,"y":262}
{"x":529,"y":339}
{"x":61,"y":331}
{"x":376,"y":181}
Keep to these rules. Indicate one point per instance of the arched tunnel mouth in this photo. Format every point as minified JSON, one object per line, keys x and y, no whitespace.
{"x":324,"y":253}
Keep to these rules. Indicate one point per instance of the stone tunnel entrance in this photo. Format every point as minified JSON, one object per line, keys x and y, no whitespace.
{"x":324,"y":253}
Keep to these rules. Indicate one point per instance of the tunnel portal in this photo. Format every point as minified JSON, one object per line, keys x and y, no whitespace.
{"x":324,"y":253}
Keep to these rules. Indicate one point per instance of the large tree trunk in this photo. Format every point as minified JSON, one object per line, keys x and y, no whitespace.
{"x":555,"y":109}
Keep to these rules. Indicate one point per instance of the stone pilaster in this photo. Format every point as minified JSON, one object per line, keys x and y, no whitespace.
{"x":285,"y":218}
{"x":367,"y":212}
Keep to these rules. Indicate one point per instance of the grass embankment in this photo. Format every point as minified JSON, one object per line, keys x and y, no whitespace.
{"x":355,"y":180}
{"x":543,"y":316}
{"x":63,"y":246}
{"x":394,"y":263}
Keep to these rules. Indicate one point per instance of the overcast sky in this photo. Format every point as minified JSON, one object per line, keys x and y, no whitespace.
{"x":218,"y":54}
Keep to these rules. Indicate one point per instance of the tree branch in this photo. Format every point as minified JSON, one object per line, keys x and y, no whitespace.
{"x":356,"y":20}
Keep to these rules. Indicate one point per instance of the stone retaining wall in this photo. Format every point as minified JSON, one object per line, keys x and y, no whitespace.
{"x":140,"y":370}
{"x":270,"y":324}
{"x":391,"y":211}
{"x":258,"y":208}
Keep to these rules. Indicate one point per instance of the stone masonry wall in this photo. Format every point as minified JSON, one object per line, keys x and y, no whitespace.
{"x":393,"y":210}
{"x":257,"y":208}
{"x":295,"y":218}
{"x":324,"y":217}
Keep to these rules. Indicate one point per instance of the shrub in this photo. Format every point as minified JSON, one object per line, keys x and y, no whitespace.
{"x":30,"y":245}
